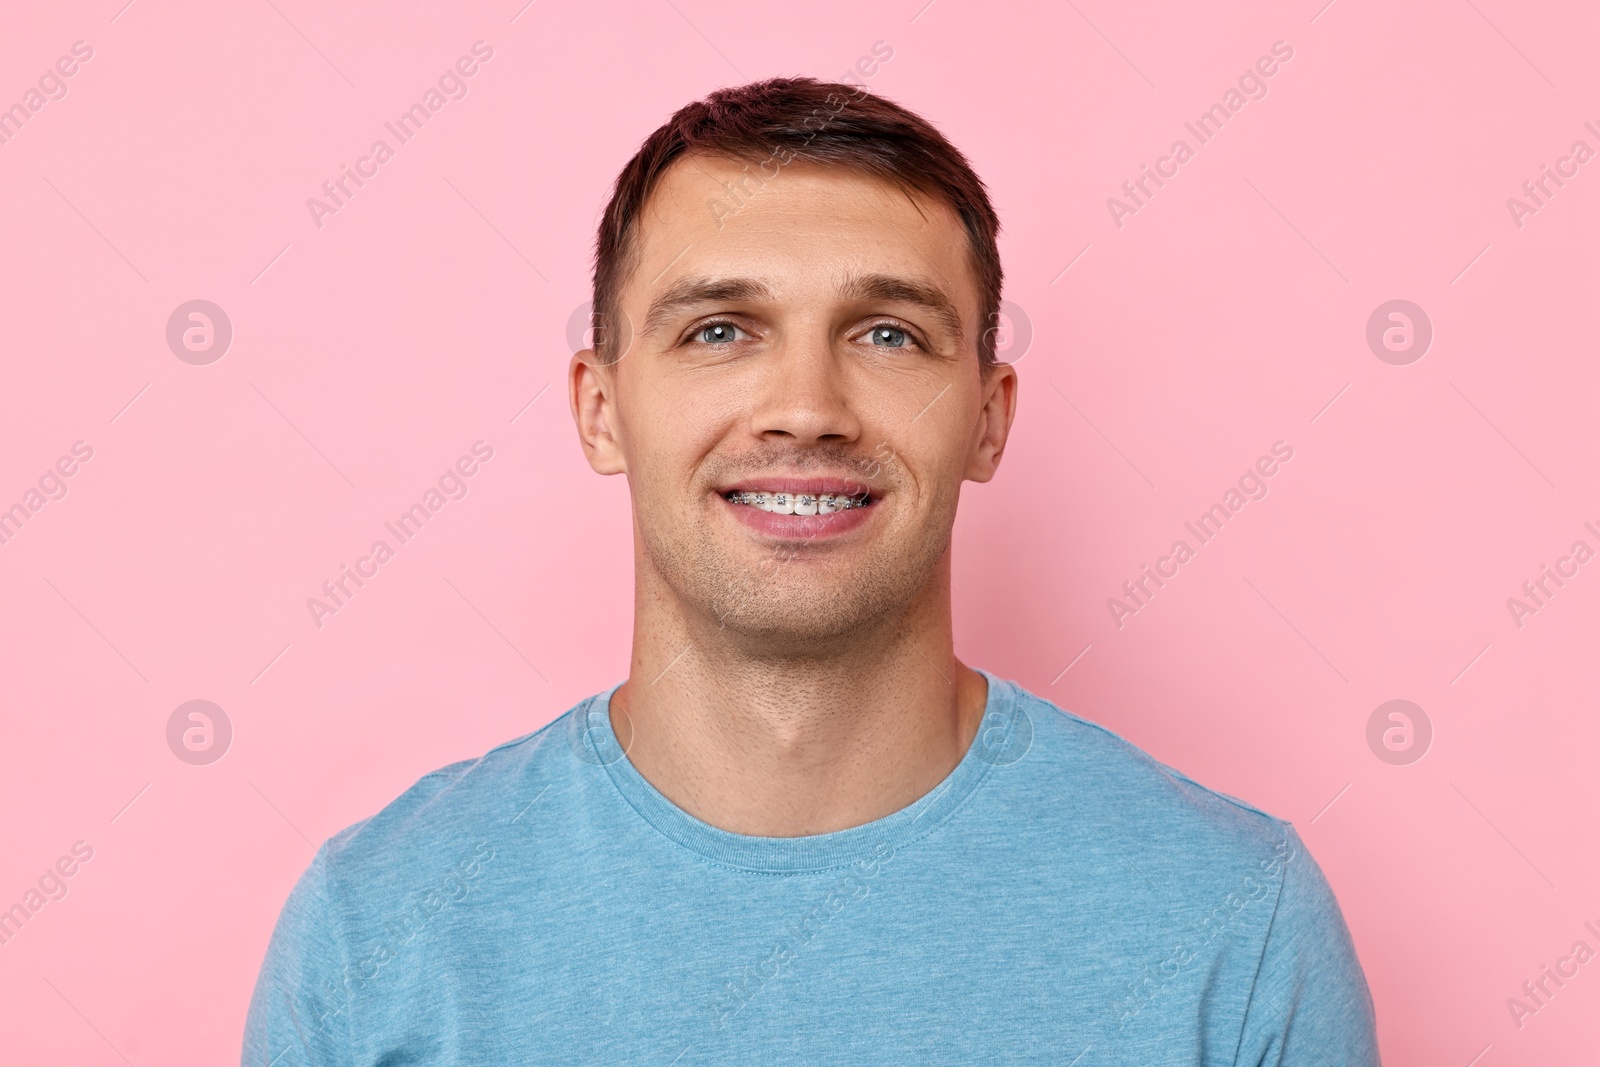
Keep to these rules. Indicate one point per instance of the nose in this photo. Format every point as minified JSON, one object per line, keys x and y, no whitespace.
{"x":803,"y":394}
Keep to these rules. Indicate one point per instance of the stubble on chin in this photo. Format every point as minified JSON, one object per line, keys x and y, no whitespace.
{"x":777,"y":603}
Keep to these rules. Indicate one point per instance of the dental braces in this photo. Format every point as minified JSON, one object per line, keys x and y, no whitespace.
{"x":804,"y":503}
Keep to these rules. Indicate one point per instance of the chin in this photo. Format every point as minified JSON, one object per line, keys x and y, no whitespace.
{"x":815,"y":602}
{"x":803,"y":622}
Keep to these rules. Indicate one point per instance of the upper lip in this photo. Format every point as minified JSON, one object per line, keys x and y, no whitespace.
{"x":797,"y":485}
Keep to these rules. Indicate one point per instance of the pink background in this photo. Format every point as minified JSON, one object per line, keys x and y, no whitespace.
{"x":424,"y":316}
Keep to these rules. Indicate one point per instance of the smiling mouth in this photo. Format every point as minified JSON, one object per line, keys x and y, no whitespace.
{"x":801,"y":503}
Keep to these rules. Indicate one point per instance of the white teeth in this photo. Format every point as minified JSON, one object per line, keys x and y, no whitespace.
{"x":799,"y":504}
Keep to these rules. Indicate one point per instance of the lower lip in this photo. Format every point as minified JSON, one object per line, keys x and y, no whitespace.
{"x":800,"y":527}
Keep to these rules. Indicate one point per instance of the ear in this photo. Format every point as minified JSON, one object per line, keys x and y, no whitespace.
{"x":999,"y":385}
{"x":592,"y":395}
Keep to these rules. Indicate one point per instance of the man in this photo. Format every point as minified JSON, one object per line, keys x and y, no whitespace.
{"x":802,"y":831}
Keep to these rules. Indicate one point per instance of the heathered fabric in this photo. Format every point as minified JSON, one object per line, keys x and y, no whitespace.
{"x":1061,"y":898}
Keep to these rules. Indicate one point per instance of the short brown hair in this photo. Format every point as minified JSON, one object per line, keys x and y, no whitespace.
{"x":786,"y":119}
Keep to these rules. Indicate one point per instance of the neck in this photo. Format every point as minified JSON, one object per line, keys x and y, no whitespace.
{"x":756,"y":742}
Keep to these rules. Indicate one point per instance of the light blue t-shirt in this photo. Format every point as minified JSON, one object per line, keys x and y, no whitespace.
{"x":1060,"y":898}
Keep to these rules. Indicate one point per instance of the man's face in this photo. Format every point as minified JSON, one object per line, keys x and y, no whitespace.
{"x":799,"y":400}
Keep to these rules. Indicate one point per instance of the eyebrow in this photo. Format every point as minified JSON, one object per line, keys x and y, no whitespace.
{"x":886,"y":287}
{"x":690,"y":292}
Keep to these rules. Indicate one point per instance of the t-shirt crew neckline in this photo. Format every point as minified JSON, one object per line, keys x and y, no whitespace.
{"x":816,"y":852}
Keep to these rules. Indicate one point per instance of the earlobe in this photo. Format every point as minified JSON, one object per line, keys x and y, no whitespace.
{"x":591,"y":395}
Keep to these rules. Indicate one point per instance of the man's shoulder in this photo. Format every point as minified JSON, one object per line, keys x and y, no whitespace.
{"x":1094,"y":777}
{"x":460,"y":803}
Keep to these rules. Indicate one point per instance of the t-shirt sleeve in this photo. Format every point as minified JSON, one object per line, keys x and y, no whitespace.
{"x":299,"y":1012}
{"x":1310,"y":1006}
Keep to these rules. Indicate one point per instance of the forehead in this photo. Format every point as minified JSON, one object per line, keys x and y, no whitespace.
{"x":797,"y":223}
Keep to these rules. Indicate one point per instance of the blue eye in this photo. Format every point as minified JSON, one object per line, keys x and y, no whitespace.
{"x":889,"y":337}
{"x":717,"y":333}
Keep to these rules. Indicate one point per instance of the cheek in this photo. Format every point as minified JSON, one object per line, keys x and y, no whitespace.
{"x":934,"y":441}
{"x":923,"y":477}
{"x":665,"y":444}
